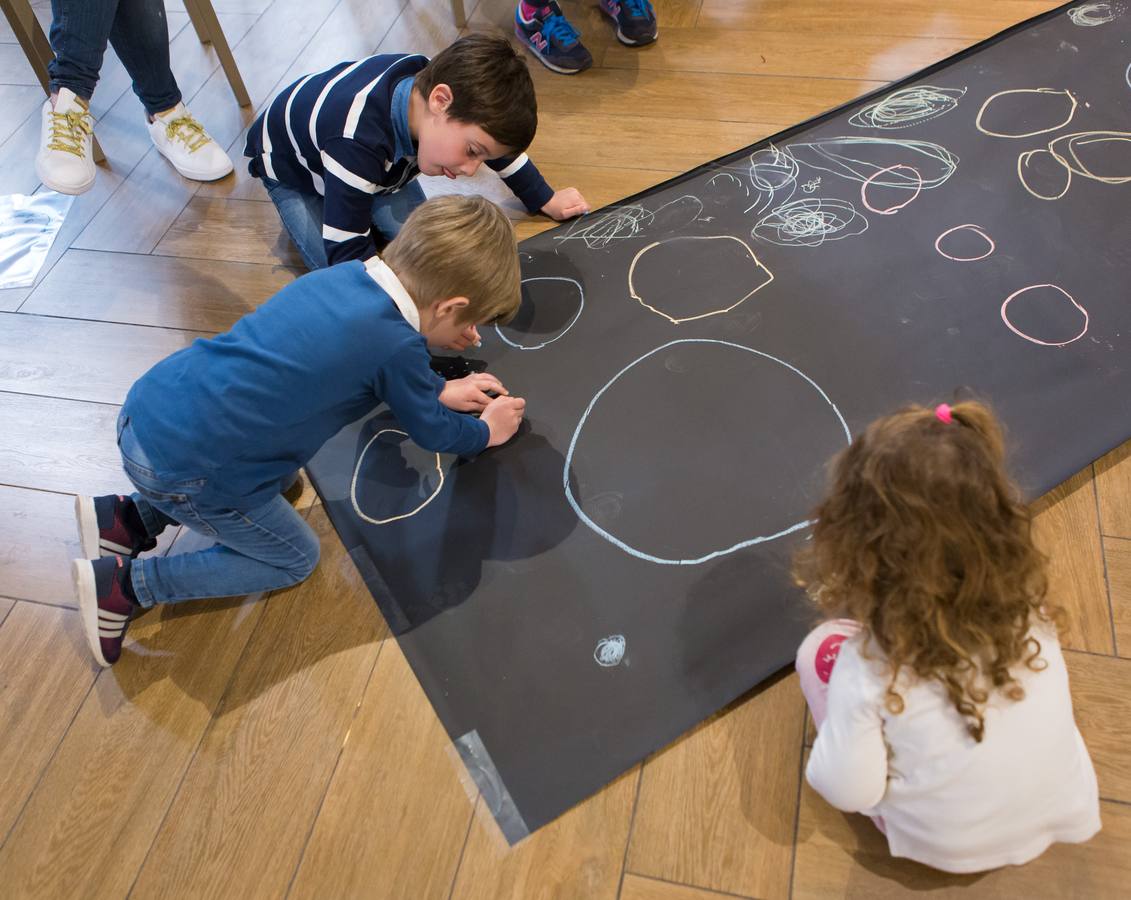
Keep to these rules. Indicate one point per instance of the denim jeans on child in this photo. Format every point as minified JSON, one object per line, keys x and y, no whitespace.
{"x":302,"y":216}
{"x":139,"y":33}
{"x":257,"y":550}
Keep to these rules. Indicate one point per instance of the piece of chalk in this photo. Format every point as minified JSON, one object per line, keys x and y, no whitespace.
{"x":477,"y":344}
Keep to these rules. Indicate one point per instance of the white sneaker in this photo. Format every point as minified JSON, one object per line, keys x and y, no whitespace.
{"x":183,"y":141}
{"x":65,"y":161}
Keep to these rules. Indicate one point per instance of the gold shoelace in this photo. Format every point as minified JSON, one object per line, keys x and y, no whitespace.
{"x":69,"y":131}
{"x":194,"y":137}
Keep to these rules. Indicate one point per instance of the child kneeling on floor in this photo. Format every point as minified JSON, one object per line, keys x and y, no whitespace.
{"x":211,"y":435}
{"x":937,"y":682}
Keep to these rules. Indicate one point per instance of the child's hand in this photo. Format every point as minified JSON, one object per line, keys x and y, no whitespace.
{"x":469,"y":394}
{"x":565,"y":204}
{"x":503,"y":415}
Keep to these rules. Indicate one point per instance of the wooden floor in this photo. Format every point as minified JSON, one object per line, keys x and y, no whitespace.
{"x":280,"y":746}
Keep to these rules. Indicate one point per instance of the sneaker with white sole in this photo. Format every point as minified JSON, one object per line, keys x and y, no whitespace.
{"x":635,"y":21}
{"x":183,"y":141}
{"x":65,"y":161}
{"x":110,"y":526}
{"x":103,"y":589}
{"x":550,"y":37}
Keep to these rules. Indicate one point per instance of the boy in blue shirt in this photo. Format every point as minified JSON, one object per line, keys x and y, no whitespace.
{"x":338,"y":150}
{"x":211,"y":435}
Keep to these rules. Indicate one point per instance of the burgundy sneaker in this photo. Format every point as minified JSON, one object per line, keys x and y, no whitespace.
{"x":110,"y":525}
{"x":102,"y":585}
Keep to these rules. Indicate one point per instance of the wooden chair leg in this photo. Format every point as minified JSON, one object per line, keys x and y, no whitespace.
{"x":198,"y":24}
{"x":458,"y":13}
{"x":207,"y":25}
{"x":31,"y":38}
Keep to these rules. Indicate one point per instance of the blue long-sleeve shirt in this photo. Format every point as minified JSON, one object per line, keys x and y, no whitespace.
{"x":247,"y":408}
{"x":344,"y":134}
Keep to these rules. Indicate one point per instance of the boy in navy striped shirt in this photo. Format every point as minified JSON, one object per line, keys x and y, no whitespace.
{"x":338,"y":150}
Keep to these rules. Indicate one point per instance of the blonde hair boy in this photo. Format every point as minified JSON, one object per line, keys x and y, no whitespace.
{"x":211,"y":435}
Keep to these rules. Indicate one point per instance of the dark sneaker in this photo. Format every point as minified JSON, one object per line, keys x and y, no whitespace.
{"x":552,"y":39}
{"x":106,"y":608}
{"x":635,"y":20}
{"x":110,"y":525}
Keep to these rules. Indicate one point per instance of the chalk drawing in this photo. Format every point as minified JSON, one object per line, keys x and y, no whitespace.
{"x":1066,"y":150}
{"x":1029,"y":337}
{"x":622,"y":222}
{"x":610,"y":650}
{"x":933,"y":163}
{"x":809,"y":223}
{"x":1089,"y":15}
{"x":580,"y":307}
{"x":909,"y":106}
{"x":915,"y":179}
{"x":634,"y":291}
{"x":357,"y":471}
{"x":1061,"y":97}
{"x":976,"y":229}
{"x":773,"y":174}
{"x":641,"y":554}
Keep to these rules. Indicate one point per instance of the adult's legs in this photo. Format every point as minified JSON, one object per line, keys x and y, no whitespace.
{"x":140,"y":37}
{"x":80,"y":30}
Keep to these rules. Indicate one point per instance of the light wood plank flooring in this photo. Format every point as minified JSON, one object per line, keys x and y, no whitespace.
{"x":280,"y":746}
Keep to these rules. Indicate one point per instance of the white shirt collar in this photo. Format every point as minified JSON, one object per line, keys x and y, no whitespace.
{"x":387,"y":279}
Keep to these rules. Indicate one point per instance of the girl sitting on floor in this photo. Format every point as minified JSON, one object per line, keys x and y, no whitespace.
{"x":937,"y":681}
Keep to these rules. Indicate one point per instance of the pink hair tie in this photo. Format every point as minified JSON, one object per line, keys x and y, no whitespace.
{"x":942,"y":413}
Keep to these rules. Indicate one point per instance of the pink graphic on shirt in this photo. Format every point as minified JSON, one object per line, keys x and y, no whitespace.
{"x":827,"y":654}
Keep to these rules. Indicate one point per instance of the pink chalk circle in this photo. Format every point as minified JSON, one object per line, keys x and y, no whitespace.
{"x":1028,"y":337}
{"x":977,"y":229}
{"x":891,"y":210}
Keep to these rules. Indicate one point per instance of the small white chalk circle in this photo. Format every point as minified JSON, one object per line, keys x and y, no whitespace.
{"x":610,"y":650}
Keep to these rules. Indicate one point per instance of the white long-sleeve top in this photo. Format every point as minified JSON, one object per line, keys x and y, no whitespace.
{"x":947,"y":800}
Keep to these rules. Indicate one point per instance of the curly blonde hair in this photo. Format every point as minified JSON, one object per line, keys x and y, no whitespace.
{"x":923,"y":540}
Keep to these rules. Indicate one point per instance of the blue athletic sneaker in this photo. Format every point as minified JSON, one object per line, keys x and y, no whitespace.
{"x":635,"y":20}
{"x":552,"y":39}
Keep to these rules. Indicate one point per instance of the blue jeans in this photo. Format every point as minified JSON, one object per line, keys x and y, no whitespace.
{"x":257,"y":550}
{"x":302,"y":216}
{"x":80,"y":30}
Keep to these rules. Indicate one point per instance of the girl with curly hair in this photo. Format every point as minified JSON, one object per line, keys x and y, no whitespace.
{"x":936,"y":680}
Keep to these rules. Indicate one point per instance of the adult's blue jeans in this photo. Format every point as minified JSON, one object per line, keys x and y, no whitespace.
{"x":261,"y":549}
{"x":302,"y":216}
{"x":139,"y":33}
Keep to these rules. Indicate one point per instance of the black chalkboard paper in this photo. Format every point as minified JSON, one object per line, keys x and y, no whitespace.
{"x":692,"y":357}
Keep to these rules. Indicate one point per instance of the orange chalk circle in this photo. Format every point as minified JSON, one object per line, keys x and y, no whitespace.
{"x":977,"y":229}
{"x":1028,"y":337}
{"x":890,"y":210}
{"x":1041,"y":92}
